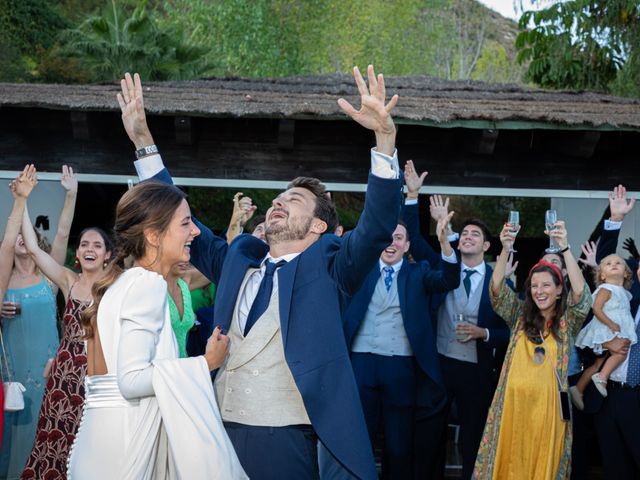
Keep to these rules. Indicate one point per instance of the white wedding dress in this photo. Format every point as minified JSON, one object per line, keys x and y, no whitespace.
{"x":153,"y":416}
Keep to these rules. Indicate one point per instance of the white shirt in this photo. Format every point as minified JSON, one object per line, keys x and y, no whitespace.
{"x":620,"y":373}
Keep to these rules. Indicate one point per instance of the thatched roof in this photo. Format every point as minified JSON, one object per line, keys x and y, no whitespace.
{"x":422,"y":100}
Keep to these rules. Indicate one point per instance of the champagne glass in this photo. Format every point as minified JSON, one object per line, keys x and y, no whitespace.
{"x":550,"y":219}
{"x":514,"y":226}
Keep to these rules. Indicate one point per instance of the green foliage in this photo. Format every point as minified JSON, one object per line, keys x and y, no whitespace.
{"x":583,"y":44}
{"x":27,"y":29}
{"x":118,"y":40}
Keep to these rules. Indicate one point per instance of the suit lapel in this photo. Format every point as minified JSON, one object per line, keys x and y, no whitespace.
{"x":401,"y":282}
{"x":286,"y":277}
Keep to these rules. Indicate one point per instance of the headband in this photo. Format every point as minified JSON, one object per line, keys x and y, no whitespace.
{"x":556,"y":270}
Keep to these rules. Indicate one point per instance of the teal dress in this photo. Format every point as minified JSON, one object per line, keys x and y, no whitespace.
{"x":181,"y":326}
{"x":30,"y":339}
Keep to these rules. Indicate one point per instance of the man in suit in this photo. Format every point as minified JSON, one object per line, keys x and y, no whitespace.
{"x":466,"y":350}
{"x":618,"y":420}
{"x":287,"y":381}
{"x":393,"y":346}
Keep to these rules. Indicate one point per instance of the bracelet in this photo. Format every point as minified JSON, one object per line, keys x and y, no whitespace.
{"x":565,"y":249}
{"x":146,"y":151}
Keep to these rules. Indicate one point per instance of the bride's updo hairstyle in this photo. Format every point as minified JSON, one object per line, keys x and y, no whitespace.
{"x":148,"y":205}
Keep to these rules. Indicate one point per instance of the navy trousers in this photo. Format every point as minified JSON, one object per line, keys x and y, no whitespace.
{"x":618,"y":427}
{"x":275,"y":453}
{"x":387,"y":387}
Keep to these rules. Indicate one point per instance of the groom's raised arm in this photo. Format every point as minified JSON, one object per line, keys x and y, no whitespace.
{"x":207,"y":250}
{"x":362,"y":246}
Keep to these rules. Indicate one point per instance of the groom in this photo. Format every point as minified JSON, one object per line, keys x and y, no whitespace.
{"x":287,"y":381}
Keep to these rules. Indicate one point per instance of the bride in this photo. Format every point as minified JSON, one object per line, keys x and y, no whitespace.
{"x":148,"y":414}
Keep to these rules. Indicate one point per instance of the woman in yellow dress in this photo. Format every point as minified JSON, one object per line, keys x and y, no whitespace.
{"x":526,"y":434}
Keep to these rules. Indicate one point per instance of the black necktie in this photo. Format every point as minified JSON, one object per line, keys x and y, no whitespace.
{"x":261,"y":302}
{"x":467,"y":280}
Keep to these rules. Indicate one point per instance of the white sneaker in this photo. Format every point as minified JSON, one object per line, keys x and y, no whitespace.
{"x":600,"y":384}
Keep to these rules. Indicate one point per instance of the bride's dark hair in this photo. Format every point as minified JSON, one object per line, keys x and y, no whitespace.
{"x":148,"y":205}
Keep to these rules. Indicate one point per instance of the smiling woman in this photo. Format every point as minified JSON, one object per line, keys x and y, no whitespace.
{"x":527,"y":434}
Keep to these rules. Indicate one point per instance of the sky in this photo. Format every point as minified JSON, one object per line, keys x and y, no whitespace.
{"x":507,"y":8}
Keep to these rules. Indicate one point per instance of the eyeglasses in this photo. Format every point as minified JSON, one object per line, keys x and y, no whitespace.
{"x":539,"y":352}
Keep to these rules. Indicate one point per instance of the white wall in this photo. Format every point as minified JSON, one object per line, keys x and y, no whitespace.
{"x":46,"y":199}
{"x":582,"y":215}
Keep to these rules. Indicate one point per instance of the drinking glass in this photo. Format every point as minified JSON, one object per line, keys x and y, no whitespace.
{"x":550,"y":219}
{"x":458,"y":319}
{"x":514,"y":223}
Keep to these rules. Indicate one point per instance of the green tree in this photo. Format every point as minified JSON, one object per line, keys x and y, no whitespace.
{"x":583,"y":44}
{"x":118,"y":40}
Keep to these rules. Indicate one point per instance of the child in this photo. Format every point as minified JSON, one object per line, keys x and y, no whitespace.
{"x":612,"y":319}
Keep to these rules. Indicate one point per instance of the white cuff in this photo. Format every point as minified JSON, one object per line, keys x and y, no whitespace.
{"x":486,"y":339}
{"x":411,"y":201}
{"x":147,"y":167}
{"x":383,"y":165}
{"x":612,"y":225}
{"x":449,"y":258}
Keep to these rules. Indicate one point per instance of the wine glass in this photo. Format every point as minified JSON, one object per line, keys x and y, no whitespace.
{"x":514,"y":226}
{"x":550,"y":219}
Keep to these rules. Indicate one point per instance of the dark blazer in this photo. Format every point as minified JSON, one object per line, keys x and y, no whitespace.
{"x":312,"y":289}
{"x":487,"y":318}
{"x":607,"y":245}
{"x":416,"y":281}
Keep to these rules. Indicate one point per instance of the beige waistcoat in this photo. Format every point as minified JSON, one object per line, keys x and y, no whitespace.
{"x":254,"y":386}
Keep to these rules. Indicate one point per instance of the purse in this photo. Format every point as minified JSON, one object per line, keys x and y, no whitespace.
{"x":13,"y":391}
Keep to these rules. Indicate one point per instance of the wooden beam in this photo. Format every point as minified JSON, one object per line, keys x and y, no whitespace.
{"x":485,"y":142}
{"x":286,"y":133}
{"x":80,"y":125}
{"x":184,"y":133}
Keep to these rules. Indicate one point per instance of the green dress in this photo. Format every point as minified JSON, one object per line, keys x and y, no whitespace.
{"x":181,"y":326}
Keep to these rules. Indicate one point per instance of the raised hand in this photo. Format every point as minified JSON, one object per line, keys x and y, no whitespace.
{"x":131,"y":104}
{"x":412,"y":180}
{"x":25,"y":182}
{"x":589,"y":251}
{"x":511,"y":266}
{"x":630,"y":246}
{"x":437,"y":207}
{"x":68,"y":180}
{"x":619,"y":204}
{"x":507,"y":238}
{"x":373,"y":114}
{"x":243,"y":209}
{"x":442,"y":230}
{"x":559,"y":234}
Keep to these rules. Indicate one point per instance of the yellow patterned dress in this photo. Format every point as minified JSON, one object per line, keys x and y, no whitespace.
{"x":524,"y":436}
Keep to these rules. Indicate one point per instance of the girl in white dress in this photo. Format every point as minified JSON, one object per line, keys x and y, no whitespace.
{"x":148,"y":414}
{"x":613,"y":319}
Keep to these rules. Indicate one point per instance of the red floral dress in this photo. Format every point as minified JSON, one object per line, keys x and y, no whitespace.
{"x":61,"y":409}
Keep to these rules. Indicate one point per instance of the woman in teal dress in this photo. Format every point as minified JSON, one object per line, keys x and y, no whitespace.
{"x":29,"y":321}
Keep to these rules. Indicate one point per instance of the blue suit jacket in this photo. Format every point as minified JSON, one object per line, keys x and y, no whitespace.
{"x":487,"y":318}
{"x":416,"y":282}
{"x":312,"y":289}
{"x":607,"y":245}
